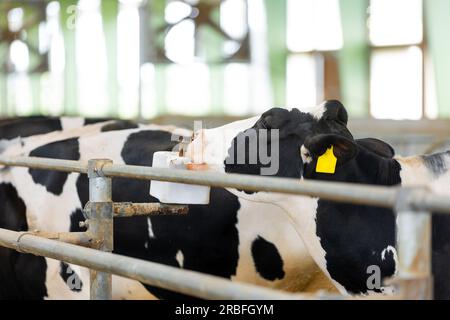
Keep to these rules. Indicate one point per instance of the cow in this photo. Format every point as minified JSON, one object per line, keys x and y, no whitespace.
{"x":230,"y":237}
{"x":23,"y":127}
{"x":343,"y":239}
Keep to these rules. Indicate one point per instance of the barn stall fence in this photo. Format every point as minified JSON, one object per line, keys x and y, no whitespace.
{"x":92,"y":249}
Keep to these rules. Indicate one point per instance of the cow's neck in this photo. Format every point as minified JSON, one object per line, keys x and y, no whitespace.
{"x":302,"y":212}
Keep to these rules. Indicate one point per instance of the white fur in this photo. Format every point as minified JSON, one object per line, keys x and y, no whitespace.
{"x":317,"y":112}
{"x":441,"y":186}
{"x":253,"y":221}
{"x":211,"y":145}
{"x":304,"y":153}
{"x":69,"y":123}
{"x":151,"y":234}
{"x":180,"y":258}
{"x":414,"y":172}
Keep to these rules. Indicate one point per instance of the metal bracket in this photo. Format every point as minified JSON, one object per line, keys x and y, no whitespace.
{"x":95,"y":168}
{"x":78,"y":238}
{"x":129,"y":209}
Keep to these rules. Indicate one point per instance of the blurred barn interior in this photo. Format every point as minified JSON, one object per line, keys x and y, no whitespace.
{"x":173,"y":61}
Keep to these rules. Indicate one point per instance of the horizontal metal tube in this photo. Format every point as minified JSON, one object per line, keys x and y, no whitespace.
{"x":170,"y":278}
{"x":334,"y":191}
{"x":381,"y":196}
{"x":78,"y":238}
{"x":343,"y":192}
{"x":45,"y":164}
{"x":128,"y":209}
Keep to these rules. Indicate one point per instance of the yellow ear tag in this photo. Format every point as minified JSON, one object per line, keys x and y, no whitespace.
{"x":326,"y":163}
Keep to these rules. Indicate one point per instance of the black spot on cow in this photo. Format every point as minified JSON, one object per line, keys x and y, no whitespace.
{"x":441,"y":256}
{"x":70,"y":277}
{"x":138,"y":150}
{"x":140,"y":146}
{"x":268,"y":261}
{"x":436,"y":163}
{"x":54,"y":181}
{"x":88,"y":121}
{"x":83,"y":192}
{"x":76,"y":217}
{"x":28,"y":126}
{"x":22,"y":276}
{"x":119,"y":125}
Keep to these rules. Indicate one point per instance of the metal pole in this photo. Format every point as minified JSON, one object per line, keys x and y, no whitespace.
{"x":100,"y":224}
{"x":45,"y":164}
{"x":381,"y":196}
{"x":414,"y":250}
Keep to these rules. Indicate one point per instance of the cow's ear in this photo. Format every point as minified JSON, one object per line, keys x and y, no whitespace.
{"x":344,"y":149}
{"x":334,"y":109}
{"x":274,"y":118}
{"x":377,"y":146}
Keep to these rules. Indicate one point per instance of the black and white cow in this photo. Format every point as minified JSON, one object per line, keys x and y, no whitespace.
{"x":343,"y":239}
{"x":231,"y":237}
{"x":30,"y":126}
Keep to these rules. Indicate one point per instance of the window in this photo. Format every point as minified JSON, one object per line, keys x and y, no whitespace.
{"x":395,"y":22}
{"x":52,"y":83}
{"x":313,"y":25}
{"x":91,"y":60}
{"x":396,"y":83}
{"x":313,"y":34}
{"x":25,"y":46}
{"x":128,"y":59}
{"x":199,"y":58}
{"x":401,"y":75}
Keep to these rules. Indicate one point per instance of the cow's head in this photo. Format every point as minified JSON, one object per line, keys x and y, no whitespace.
{"x":269,"y":144}
{"x":359,"y":161}
{"x":353,"y":239}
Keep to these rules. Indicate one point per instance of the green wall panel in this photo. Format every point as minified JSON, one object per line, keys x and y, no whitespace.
{"x":354,"y":58}
{"x":437,"y":26}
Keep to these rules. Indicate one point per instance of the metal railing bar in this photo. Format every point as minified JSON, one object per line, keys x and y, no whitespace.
{"x":166,"y":277}
{"x":45,"y":164}
{"x":381,"y":196}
